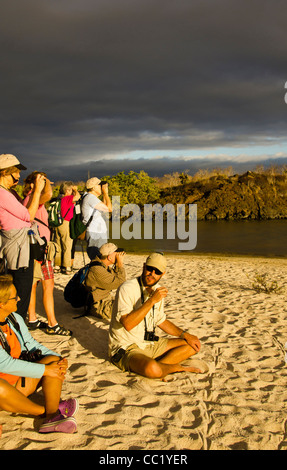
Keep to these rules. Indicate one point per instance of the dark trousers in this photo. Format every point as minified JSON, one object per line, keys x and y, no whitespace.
{"x":23,"y":281}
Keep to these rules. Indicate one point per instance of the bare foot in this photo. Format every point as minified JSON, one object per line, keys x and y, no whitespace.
{"x":193,"y":369}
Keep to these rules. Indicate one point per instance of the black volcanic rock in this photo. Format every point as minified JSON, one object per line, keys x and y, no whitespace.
{"x":248,"y":196}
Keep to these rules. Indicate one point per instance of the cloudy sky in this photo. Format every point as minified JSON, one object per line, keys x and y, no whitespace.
{"x":94,"y":87}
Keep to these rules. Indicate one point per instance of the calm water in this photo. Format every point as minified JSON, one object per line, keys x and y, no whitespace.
{"x":259,"y":238}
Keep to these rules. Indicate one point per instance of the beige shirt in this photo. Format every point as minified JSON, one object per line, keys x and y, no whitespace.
{"x":128,"y":298}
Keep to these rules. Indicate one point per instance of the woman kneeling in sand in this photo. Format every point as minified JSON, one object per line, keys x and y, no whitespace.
{"x":25,"y":365}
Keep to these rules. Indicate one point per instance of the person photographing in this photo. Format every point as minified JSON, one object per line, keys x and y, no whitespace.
{"x":95,"y":212}
{"x":106,"y":273}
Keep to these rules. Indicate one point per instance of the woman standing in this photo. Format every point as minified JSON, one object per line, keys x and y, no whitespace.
{"x":43,"y":270}
{"x":70,"y":195}
{"x":15,"y":222}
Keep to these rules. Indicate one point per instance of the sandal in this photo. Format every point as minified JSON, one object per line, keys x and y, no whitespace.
{"x":59,"y":424}
{"x":58,"y":330}
{"x":34,"y":325}
{"x":66,"y":271}
{"x":69,"y":408}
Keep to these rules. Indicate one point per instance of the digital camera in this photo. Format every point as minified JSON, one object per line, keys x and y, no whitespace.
{"x":150,"y":336}
{"x":31,"y":356}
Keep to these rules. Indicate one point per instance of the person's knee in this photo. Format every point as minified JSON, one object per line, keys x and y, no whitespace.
{"x":4,"y":388}
{"x":152,"y":369}
{"x":49,"y":359}
{"x":48,"y":286}
{"x":189,"y":351}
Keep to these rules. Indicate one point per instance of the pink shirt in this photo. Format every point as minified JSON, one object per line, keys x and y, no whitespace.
{"x":67,"y":205}
{"x":42,"y":215}
{"x":13,"y":215}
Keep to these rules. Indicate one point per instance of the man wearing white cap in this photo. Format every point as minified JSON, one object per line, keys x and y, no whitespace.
{"x":92,"y":206}
{"x":137,"y":311}
{"x":106,"y":274}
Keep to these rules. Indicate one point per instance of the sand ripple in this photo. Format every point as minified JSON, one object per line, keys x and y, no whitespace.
{"x":238,"y":404}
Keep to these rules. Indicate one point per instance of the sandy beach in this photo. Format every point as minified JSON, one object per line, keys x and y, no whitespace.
{"x":239,"y":404}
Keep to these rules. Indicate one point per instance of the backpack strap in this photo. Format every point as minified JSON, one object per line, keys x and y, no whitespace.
{"x":3,"y":340}
{"x":41,"y":222}
{"x":16,"y":325}
{"x":90,"y":219}
{"x":67,"y":212}
{"x":94,"y":263}
{"x":92,"y":215}
{"x":14,"y":322}
{"x":139,"y":279}
{"x":88,"y":266}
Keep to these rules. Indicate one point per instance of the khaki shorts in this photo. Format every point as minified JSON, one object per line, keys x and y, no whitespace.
{"x":102,"y":309}
{"x":153,"y":350}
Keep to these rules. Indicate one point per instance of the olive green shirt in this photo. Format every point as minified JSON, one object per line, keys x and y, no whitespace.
{"x":102,"y":279}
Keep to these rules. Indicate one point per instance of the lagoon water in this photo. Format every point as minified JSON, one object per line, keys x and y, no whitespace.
{"x":248,"y":237}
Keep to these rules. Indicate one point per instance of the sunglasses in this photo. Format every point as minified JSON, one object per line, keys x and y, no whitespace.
{"x":150,"y":269}
{"x":13,"y":298}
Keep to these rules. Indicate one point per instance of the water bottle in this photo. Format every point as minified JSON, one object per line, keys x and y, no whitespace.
{"x":32,"y":238}
{"x":34,"y":246}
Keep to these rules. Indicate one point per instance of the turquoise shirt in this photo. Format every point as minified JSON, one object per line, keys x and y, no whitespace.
{"x":11,"y":366}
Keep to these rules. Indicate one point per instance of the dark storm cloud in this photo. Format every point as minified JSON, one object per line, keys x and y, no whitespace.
{"x":82,"y":81}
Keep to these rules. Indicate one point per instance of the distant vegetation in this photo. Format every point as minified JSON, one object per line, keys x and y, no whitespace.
{"x":218,"y":193}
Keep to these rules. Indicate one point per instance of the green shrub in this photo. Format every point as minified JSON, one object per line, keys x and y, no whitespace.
{"x":262,"y":284}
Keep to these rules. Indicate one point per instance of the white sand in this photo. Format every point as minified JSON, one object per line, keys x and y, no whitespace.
{"x":238,"y":404}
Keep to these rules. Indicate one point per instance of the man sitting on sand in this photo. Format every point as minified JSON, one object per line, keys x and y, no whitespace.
{"x":138,"y":310}
{"x":105,"y":274}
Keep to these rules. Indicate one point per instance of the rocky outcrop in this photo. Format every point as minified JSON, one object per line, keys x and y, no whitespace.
{"x":248,"y":196}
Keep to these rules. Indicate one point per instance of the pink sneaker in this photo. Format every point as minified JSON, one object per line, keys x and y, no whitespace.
{"x":59,"y":424}
{"x":69,"y":408}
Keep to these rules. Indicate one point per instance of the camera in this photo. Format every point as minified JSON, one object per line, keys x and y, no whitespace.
{"x":31,"y":356}
{"x":150,"y":336}
{"x":102,"y":183}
